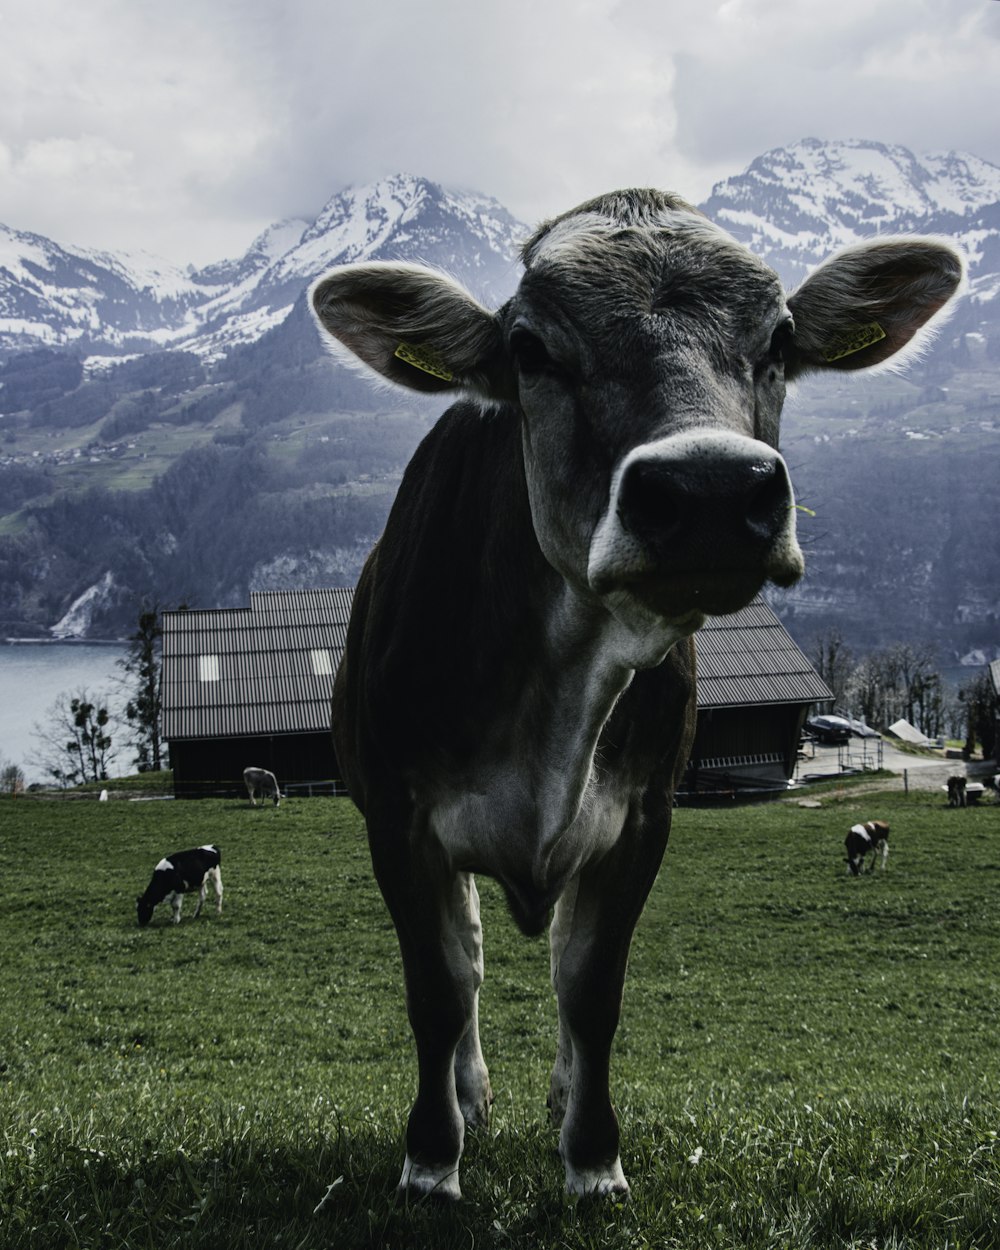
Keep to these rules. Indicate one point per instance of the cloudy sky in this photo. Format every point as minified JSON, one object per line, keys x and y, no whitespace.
{"x":186,"y":128}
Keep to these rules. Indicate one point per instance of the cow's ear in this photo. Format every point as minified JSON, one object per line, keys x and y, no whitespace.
{"x":413,"y":326}
{"x":871,"y":303}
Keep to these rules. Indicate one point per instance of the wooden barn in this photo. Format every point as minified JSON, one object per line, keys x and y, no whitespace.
{"x":252,"y":686}
{"x":755,"y":689}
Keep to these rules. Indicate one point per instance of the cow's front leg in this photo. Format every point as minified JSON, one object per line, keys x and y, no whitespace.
{"x":176,"y":903}
{"x":590,"y":937}
{"x":436,"y":914}
{"x":589,"y":954}
{"x":472,"y":1079}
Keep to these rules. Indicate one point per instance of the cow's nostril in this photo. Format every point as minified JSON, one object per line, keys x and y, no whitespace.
{"x":769,"y":500}
{"x":648,"y":503}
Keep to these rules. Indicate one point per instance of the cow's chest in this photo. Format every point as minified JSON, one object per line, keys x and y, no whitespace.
{"x":530,"y":827}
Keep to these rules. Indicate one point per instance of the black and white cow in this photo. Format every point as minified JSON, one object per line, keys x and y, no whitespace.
{"x":517,"y":693}
{"x":180,"y":874}
{"x":259,"y":780}
{"x":866,"y":839}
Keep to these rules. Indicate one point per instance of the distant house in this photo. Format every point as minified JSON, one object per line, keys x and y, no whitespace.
{"x":755,"y":688}
{"x":252,"y":686}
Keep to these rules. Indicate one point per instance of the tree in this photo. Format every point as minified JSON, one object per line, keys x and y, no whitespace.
{"x":982,"y":709}
{"x":11,"y":778}
{"x":832,"y":660}
{"x":75,"y":742}
{"x":899,"y":681}
{"x":142,"y":664}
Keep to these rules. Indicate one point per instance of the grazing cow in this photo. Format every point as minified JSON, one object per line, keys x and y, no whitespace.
{"x":517,"y":693}
{"x":864,"y":840}
{"x":180,"y":874}
{"x":259,"y":779}
{"x":956,"y":791}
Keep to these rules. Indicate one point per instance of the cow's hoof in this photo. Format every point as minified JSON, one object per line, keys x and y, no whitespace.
{"x":601,"y":1182}
{"x":420,"y":1181}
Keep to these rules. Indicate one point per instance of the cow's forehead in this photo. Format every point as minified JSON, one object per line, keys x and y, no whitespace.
{"x":682,"y":259}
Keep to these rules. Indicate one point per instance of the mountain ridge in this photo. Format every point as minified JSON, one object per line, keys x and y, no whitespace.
{"x":224,"y":451}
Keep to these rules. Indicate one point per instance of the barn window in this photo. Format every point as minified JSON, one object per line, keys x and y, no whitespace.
{"x":322,"y":662}
{"x":208,"y":668}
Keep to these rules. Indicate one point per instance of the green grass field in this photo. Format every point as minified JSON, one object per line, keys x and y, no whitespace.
{"x":804,"y":1060}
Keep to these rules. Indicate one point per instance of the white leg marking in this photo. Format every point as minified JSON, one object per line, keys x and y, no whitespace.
{"x":562,"y":1071}
{"x":177,"y":902}
{"x":472,"y":1079}
{"x":421,"y":1180}
{"x":216,"y":875}
{"x":596,"y":1181}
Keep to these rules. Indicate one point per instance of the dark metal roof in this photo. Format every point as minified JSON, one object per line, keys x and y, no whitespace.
{"x":749,"y":658}
{"x":267,"y":675}
{"x":272,"y":671}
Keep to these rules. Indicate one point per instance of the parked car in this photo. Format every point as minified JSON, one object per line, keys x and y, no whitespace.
{"x":830,"y":730}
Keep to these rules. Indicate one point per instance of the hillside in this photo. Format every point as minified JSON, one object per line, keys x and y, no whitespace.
{"x":182,"y":437}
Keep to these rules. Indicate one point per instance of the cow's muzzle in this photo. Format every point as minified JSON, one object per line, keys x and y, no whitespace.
{"x":697,"y":521}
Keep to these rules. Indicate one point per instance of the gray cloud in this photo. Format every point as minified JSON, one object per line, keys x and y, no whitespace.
{"x":185,"y":129}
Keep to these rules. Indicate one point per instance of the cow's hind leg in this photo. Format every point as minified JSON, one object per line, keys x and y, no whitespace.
{"x":436,"y":915}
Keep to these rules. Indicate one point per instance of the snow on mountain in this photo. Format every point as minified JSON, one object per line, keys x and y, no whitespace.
{"x":795,"y":205}
{"x":60,"y":296}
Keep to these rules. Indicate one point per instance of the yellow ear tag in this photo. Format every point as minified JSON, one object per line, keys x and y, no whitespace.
{"x":855,"y":340}
{"x":425,"y":359}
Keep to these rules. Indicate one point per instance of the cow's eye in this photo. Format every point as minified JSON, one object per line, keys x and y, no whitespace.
{"x":530,"y":353}
{"x":781,"y":341}
{"x":771,"y":365}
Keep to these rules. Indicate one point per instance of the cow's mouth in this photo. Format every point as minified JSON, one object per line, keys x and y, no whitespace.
{"x":678,"y":595}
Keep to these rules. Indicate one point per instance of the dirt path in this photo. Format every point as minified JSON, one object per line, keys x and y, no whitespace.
{"x":912,"y":772}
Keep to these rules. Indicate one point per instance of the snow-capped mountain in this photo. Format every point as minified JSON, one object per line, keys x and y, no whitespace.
{"x":100,"y":302}
{"x":57,"y":296}
{"x":900,"y":471}
{"x":795,"y":205}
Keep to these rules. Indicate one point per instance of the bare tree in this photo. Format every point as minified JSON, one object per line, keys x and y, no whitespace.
{"x":900,"y":681}
{"x":75,"y":741}
{"x":11,"y":778}
{"x":832,"y":660}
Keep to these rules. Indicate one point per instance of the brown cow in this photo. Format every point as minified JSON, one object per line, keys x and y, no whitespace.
{"x":517,"y":695}
{"x":863,"y":840}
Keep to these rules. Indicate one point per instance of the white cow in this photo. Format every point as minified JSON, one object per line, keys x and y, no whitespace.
{"x":259,"y":779}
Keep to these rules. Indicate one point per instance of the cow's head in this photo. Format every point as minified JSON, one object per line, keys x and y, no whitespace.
{"x":647,"y":354}
{"x":144,"y":910}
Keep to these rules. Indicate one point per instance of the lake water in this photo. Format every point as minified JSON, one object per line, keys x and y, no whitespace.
{"x":34,"y":675}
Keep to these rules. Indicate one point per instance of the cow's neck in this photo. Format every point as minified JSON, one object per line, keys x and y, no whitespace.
{"x":586,"y":660}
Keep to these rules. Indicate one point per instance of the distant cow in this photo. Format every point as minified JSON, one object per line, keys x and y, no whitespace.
{"x":180,"y":874}
{"x":864,"y":840}
{"x":517,"y":693}
{"x":260,"y":780}
{"x":956,"y":791}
